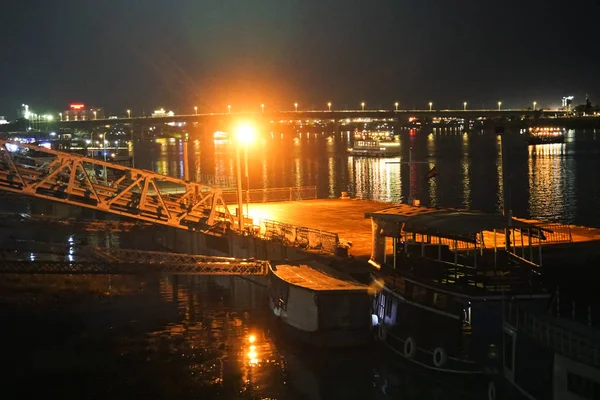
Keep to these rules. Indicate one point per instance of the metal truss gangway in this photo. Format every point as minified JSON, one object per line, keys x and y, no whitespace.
{"x":87,"y":182}
{"x":30,"y":257}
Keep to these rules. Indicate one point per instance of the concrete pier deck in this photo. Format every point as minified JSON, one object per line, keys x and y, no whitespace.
{"x":346,"y":217}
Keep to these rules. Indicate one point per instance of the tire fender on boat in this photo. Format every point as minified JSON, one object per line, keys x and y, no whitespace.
{"x":382,"y":332}
{"x":491,"y":391}
{"x":439,"y":357}
{"x":410,"y":348}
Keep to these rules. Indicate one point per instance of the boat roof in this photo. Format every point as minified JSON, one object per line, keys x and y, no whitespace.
{"x":315,"y":279}
{"x":446,"y":222}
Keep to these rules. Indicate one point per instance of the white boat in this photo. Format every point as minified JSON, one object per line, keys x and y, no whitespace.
{"x":375,"y":148}
{"x":319,"y":306}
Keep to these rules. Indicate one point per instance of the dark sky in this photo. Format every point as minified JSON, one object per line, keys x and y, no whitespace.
{"x":143,"y":54}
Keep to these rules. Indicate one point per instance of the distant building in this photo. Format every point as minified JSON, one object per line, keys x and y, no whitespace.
{"x":78,"y":112}
{"x":567,"y":102}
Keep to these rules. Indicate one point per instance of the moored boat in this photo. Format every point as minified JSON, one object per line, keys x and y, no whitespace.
{"x":320,"y":306}
{"x":549,"y":357}
{"x":543,"y":135}
{"x":442,"y":289}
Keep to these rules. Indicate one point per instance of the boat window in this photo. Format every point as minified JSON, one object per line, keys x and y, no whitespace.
{"x":388,"y":306}
{"x":440,"y":300}
{"x":420,"y":294}
{"x":508,"y":351}
{"x":583,"y":386}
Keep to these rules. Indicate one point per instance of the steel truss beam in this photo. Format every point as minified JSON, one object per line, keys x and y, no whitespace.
{"x":27,"y":257}
{"x":135,"y":193}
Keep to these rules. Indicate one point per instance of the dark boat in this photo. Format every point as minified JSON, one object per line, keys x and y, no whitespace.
{"x":442,"y":289}
{"x":550,"y":357}
{"x":543,"y":135}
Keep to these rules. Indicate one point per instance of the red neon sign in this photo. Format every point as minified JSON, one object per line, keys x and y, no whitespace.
{"x":77,"y":106}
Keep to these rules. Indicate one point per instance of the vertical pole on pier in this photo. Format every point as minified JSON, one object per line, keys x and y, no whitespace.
{"x":410,"y":167}
{"x":395,"y":247}
{"x":495,"y":250}
{"x":247,"y":180}
{"x":132,"y":147}
{"x":540,"y":246}
{"x":186,"y":164}
{"x":529,"y":238}
{"x":239,"y":190}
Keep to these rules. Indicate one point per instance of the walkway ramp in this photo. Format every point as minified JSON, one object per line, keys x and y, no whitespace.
{"x":87,"y":182}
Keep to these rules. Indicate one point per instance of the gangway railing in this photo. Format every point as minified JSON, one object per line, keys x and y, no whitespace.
{"x":104,"y":186}
{"x":27,"y":257}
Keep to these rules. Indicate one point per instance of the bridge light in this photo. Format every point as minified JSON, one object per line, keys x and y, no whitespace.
{"x":363,"y":105}
{"x":430,"y":105}
{"x":396,"y":105}
{"x":195,"y":110}
{"x":534,"y":103}
{"x":329,"y":106}
{"x":499,"y":105}
{"x":296,"y":106}
{"x":465,"y":106}
{"x":128,"y":113}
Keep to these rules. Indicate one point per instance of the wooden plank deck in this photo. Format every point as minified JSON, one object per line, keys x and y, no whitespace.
{"x":346,"y":218}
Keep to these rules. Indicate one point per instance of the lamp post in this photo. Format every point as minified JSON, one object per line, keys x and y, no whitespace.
{"x":104,"y":143}
{"x":396,"y":105}
{"x":245,"y":136}
{"x":95,"y":114}
{"x":465,"y":106}
{"x":534,"y":103}
{"x":128,"y":113}
{"x":296,"y":107}
{"x":262,"y":107}
{"x":499,"y":105}
{"x":195,"y":110}
{"x":362,"y":105}
{"x":229,"y":108}
{"x":60,"y":115}
{"x":430,"y":105}
{"x":329,"y":106}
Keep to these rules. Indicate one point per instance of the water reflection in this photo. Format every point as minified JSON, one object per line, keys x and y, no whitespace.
{"x":471,"y":168}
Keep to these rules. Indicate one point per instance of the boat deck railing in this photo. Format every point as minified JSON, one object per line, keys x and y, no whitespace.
{"x":547,"y":331}
{"x":518,"y":276}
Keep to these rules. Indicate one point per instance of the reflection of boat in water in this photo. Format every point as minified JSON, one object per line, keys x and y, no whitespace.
{"x":442,"y":294}
{"x":320,"y":307}
{"x":548,"y":357}
{"x":543,"y":135}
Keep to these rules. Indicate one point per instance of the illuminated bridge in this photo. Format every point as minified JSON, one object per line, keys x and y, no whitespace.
{"x":401,"y":115}
{"x":139,"y":194}
{"x":28,"y":257}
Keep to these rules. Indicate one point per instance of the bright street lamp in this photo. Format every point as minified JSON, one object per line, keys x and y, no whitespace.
{"x":465,"y":106}
{"x":195,"y":110}
{"x":229,"y":108}
{"x":499,"y":105}
{"x":94,"y":114}
{"x":245,"y":136}
{"x":329,"y":105}
{"x":534,"y":103}
{"x":128,"y":113}
{"x":60,"y":116}
{"x":396,"y":104}
{"x":296,"y":107}
{"x":262,"y":106}
{"x":363,"y":105}
{"x":430,"y":105}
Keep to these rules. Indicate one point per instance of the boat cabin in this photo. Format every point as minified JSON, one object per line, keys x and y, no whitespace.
{"x":443,"y":283}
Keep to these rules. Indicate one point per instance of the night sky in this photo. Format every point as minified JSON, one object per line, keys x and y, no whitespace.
{"x":143,"y":54}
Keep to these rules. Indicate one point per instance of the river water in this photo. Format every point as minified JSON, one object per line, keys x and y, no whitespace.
{"x":86,"y":337}
{"x":554,"y":182}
